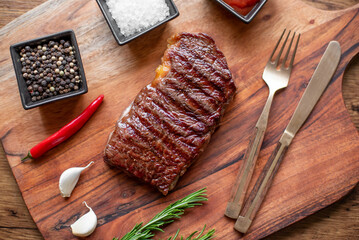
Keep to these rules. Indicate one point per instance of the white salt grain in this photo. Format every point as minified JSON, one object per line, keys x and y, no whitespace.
{"x":133,"y":16}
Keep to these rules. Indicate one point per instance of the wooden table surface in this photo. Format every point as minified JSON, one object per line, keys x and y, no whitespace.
{"x":339,"y":221}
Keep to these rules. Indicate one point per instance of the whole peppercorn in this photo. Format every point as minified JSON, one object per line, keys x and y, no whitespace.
{"x":50,"y":69}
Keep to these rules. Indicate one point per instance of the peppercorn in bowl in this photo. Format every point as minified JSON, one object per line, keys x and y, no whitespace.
{"x":48,"y":69}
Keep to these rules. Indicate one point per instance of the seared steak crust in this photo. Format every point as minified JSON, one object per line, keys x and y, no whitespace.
{"x":171,"y":120}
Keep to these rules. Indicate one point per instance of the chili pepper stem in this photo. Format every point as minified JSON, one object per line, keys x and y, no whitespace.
{"x":28,"y":156}
{"x":65,"y":132}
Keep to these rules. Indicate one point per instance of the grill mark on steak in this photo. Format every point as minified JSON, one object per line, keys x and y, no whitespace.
{"x":205,"y":70}
{"x":186,"y":103}
{"x":187,"y":117}
{"x":188,"y":67}
{"x":166,"y":163}
{"x":158,"y":129}
{"x":196,"y":96}
{"x":203,"y":53}
{"x":202,"y":83}
{"x":155,"y":145}
{"x":208,"y":102}
{"x":161,"y":143}
{"x":171,"y":120}
{"x":172,"y":128}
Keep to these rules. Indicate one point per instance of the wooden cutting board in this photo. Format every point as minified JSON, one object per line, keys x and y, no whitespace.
{"x":320,"y":167}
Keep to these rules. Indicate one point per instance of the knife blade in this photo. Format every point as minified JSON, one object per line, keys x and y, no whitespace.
{"x":318,"y":83}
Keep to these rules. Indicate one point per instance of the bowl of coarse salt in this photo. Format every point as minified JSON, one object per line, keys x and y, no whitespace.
{"x":129,"y":19}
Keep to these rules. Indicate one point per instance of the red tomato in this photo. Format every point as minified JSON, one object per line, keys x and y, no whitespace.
{"x":242,"y":11}
{"x":241,"y":3}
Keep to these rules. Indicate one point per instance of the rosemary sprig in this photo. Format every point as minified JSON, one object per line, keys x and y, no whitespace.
{"x":168,"y":215}
{"x":209,"y":235}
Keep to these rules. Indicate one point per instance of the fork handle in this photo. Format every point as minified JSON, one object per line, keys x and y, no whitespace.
{"x":241,"y":184}
{"x":240,"y":187}
{"x":260,"y":189}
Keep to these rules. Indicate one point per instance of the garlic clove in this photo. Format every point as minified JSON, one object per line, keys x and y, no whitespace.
{"x":85,"y":225}
{"x":69,"y":178}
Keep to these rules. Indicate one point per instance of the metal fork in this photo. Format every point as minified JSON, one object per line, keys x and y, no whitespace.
{"x":276,"y":76}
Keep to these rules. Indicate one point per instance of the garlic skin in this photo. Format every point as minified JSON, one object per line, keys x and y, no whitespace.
{"x":69,"y":178}
{"x":85,"y":225}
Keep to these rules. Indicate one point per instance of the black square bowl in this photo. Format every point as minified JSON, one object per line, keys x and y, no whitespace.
{"x":247,"y":18}
{"x":120,"y":38}
{"x":15,"y":55}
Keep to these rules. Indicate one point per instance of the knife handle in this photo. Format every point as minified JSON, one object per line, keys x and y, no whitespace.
{"x":260,"y":189}
{"x":241,"y":184}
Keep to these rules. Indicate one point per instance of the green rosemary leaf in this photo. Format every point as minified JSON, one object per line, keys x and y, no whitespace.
{"x":168,"y":215}
{"x":175,"y":236}
{"x":209,"y":235}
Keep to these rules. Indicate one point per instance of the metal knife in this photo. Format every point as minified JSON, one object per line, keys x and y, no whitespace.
{"x":320,"y":79}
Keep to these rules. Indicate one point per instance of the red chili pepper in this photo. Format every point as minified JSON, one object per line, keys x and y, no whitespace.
{"x":65,"y":132}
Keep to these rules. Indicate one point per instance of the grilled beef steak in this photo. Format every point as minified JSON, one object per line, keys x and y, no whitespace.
{"x":171,"y":120}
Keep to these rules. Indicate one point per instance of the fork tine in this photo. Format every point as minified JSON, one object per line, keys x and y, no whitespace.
{"x":275,"y":48}
{"x":286,"y":55}
{"x":281,"y":50}
{"x":294,"y":52}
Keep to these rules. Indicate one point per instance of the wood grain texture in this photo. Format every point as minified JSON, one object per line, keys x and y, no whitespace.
{"x":149,"y":190}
